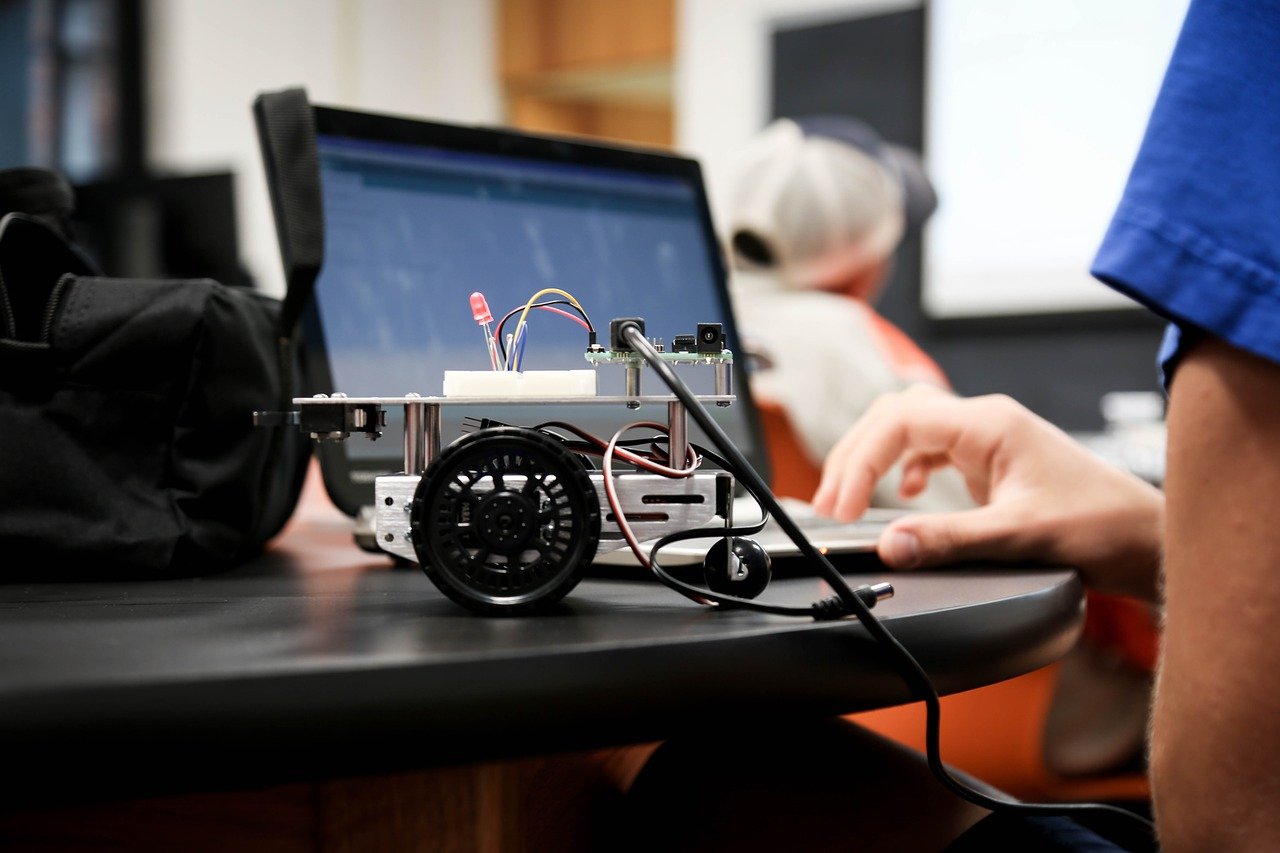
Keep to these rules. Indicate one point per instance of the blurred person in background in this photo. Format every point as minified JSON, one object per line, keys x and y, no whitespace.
{"x":814,"y":210}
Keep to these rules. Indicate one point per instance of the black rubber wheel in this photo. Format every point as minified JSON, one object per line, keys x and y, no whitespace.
{"x":505,"y":521}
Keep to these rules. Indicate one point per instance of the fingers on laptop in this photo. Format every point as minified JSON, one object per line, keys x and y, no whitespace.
{"x":926,"y":429}
{"x":921,"y":541}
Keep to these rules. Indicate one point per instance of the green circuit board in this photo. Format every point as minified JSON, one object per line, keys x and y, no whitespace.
{"x":633,"y":358}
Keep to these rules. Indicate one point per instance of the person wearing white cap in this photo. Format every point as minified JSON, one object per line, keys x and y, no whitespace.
{"x":814,"y":209}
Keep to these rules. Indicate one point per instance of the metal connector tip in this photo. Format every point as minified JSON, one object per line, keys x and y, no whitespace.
{"x":882,"y":590}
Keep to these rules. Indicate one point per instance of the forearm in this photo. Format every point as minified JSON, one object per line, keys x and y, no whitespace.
{"x":1216,"y":726}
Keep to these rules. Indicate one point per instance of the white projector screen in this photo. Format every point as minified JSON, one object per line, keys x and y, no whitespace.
{"x":1034,"y":114}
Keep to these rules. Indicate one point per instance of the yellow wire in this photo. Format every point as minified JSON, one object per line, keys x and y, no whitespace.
{"x":528,"y":306}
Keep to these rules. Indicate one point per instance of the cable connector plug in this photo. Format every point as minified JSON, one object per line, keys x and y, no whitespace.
{"x":832,"y":608}
{"x":472,"y":424}
{"x":829,"y":609}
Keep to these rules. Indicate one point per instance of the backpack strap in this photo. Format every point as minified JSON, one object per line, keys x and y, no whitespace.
{"x":287,"y":134}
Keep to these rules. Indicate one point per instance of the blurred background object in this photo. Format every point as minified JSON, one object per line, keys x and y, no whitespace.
{"x":814,"y":210}
{"x":180,"y":226}
{"x":876,"y":62}
{"x":81,"y":110}
{"x":135,"y":90}
{"x":586,"y":67}
{"x":1134,"y":436}
{"x":73,"y":98}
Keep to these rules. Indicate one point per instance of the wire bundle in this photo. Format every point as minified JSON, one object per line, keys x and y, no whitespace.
{"x":512,"y":346}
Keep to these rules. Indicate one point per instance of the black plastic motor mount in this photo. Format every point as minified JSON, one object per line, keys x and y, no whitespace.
{"x":740,"y":567}
{"x":505,"y":521}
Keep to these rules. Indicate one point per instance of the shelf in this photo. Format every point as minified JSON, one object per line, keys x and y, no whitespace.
{"x":599,"y":68}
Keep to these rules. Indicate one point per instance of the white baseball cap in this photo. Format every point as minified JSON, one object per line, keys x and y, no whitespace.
{"x":819,"y":198}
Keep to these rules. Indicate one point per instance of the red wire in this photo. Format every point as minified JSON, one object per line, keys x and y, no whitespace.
{"x":611,"y":494}
{"x":502,"y":347}
{"x":574,"y":317}
{"x":648,"y":464}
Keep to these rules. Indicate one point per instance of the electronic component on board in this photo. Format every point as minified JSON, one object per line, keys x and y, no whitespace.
{"x":710,"y":337}
{"x":616,"y":343}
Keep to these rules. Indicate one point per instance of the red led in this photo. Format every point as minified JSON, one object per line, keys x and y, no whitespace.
{"x":480,"y":309}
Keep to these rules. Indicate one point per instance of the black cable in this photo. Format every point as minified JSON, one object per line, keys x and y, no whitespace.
{"x":909,"y":668}
{"x":585,"y":448}
{"x":745,"y":530}
{"x":700,"y":533}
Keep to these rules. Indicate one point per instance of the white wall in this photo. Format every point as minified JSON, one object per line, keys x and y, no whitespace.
{"x":723,"y":66}
{"x":207,"y":59}
{"x":1035,"y":113}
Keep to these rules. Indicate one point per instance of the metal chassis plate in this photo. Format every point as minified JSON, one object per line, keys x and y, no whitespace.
{"x":654,"y":505}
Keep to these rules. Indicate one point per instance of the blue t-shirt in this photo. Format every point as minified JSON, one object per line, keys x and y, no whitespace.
{"x":1196,"y":237}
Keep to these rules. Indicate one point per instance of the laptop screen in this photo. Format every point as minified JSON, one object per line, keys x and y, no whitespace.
{"x":411,"y":230}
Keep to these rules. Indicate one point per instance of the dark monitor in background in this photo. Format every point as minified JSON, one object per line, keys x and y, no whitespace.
{"x":162,"y":227}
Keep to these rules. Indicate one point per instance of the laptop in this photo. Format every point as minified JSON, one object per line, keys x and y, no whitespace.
{"x":418,"y":215}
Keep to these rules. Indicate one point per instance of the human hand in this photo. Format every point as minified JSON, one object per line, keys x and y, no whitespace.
{"x":1042,"y":497}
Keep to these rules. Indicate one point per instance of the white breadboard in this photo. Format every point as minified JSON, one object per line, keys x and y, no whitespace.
{"x":511,"y":383}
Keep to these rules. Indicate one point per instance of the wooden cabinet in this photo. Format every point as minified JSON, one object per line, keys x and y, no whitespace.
{"x":591,"y":67}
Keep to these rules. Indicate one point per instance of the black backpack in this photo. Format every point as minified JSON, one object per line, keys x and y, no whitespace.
{"x":127,"y":444}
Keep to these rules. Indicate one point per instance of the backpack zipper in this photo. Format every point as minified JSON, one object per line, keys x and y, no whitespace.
{"x":10,"y":330}
{"x":51,"y":307}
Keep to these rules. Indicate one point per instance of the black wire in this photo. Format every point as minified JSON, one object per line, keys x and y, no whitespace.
{"x":908,"y":667}
{"x":586,"y":448}
{"x":550,"y":427}
{"x":717,"y":533}
{"x":818,"y":610}
{"x":498,"y":331}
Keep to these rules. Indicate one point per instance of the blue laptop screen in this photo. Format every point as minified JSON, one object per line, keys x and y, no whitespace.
{"x":411,"y":231}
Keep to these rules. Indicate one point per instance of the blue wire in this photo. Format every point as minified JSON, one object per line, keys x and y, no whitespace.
{"x":524,"y":337}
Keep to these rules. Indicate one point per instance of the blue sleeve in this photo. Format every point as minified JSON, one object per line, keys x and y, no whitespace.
{"x":1196,"y":237}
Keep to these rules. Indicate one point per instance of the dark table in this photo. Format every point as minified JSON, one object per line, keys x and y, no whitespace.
{"x":318,"y":660}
